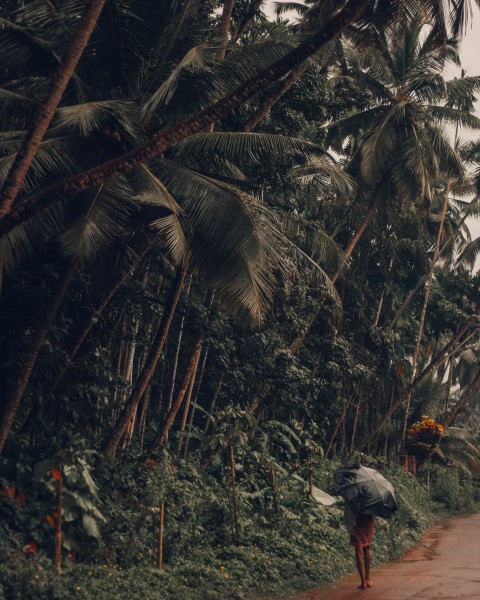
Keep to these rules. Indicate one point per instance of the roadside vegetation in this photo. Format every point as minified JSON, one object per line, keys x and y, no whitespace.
{"x":234,"y":254}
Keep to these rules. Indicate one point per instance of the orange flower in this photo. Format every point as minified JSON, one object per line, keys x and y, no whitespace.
{"x":56,"y":473}
{"x":51,"y":520}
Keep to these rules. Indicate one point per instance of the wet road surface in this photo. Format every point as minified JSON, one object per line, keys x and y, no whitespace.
{"x":446,"y":565}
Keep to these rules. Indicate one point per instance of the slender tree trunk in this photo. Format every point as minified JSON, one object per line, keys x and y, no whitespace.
{"x":424,"y":312}
{"x":422,"y":280}
{"x":172,"y":413}
{"x":340,"y":420}
{"x":167,"y":138}
{"x":195,"y":398}
{"x":45,"y":111}
{"x":224,"y":30}
{"x":380,"y":303}
{"x":188,"y":398}
{"x":449,"y":384}
{"x":89,"y":324}
{"x":149,"y":367}
{"x":26,"y":369}
{"x":436,"y":361}
{"x":247,"y":20}
{"x":234,"y":494}
{"x":464,"y":400}
{"x":177,"y":352}
{"x":355,"y":423}
{"x":296,"y":344}
{"x":212,"y":404}
{"x":275,"y":96}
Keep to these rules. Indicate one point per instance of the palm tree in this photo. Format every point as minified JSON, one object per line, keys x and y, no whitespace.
{"x":187,"y":205}
{"x":397,"y":147}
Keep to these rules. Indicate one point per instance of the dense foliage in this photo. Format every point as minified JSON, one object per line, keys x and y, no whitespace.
{"x":206,"y":304}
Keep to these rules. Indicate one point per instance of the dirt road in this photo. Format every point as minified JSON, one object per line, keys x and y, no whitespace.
{"x":445,"y":565}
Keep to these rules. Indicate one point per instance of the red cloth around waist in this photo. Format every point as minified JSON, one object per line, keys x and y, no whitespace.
{"x":364,"y":529}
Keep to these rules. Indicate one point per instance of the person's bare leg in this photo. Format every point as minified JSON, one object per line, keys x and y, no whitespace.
{"x":359,"y":561}
{"x":367,"y":560}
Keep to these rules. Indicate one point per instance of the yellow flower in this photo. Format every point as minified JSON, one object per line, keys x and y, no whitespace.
{"x":222,"y":568}
{"x":78,"y":587}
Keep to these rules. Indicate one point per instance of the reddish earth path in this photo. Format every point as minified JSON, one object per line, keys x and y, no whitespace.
{"x":445,"y":565}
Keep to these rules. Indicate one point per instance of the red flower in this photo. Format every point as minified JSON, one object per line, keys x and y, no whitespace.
{"x":30,"y":548}
{"x":56,"y":473}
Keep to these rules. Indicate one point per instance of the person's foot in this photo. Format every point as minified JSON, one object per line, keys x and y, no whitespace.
{"x":369,"y":583}
{"x":363,"y":585}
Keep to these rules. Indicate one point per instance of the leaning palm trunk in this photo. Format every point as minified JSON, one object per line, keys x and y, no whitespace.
{"x":13,"y":402}
{"x":422,"y":280}
{"x":277,"y":95}
{"x":172,"y":413}
{"x":424,"y":312}
{"x":148,"y":370}
{"x":297,"y":343}
{"x":464,"y":400}
{"x":167,"y":138}
{"x":436,"y":362}
{"x":45,"y":112}
{"x":188,"y":399}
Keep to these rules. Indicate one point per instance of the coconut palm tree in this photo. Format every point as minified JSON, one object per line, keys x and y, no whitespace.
{"x":191,"y":197}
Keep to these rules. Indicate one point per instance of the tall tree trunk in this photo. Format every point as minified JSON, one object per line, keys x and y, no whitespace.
{"x":436,"y":361}
{"x":225,"y":27}
{"x":247,"y":20}
{"x":340,"y":420}
{"x":195,"y":398}
{"x":422,"y":280}
{"x":355,"y":423}
{"x":177,"y":352}
{"x":148,"y":370}
{"x":297,"y":343}
{"x":212,"y":404}
{"x":167,"y":138}
{"x":424,"y":312}
{"x":449,"y":384}
{"x":188,"y":398}
{"x":224,"y":31}
{"x":45,"y":111}
{"x":275,"y":96}
{"x":13,"y":401}
{"x":464,"y":400}
{"x":172,"y":413}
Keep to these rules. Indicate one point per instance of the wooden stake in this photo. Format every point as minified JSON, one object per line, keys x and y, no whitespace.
{"x":58,"y":529}
{"x":234,"y":493}
{"x":160,"y":537}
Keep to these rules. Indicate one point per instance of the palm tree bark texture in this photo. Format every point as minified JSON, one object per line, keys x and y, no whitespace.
{"x":47,"y":109}
{"x":167,"y":138}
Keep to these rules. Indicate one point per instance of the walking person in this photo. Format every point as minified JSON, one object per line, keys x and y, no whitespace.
{"x":361,"y":527}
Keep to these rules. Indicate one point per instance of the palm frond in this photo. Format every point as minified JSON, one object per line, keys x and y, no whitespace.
{"x":120,"y":116}
{"x":244,"y":148}
{"x":98,"y":217}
